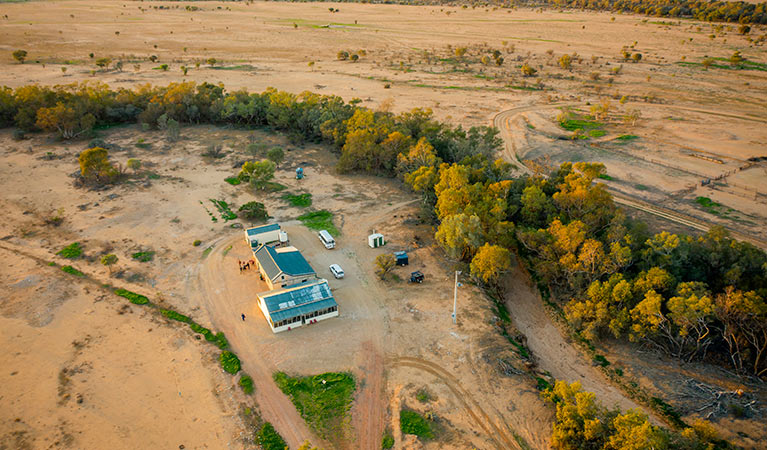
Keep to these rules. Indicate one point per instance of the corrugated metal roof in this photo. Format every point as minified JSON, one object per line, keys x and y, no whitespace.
{"x":262,"y":229}
{"x":286,"y":260}
{"x":303,"y":310}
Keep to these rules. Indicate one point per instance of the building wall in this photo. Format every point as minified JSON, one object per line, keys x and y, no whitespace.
{"x":265,"y":238}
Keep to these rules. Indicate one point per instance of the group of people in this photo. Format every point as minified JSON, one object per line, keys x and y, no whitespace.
{"x":245,"y":265}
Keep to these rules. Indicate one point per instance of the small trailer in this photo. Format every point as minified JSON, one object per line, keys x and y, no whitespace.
{"x":401,"y":257}
{"x":416,"y":277}
{"x":299,"y":173}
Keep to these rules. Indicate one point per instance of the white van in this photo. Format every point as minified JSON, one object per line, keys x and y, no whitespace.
{"x":326,"y":239}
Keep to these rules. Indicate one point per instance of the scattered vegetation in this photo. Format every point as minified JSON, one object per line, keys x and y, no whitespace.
{"x":319,"y":220}
{"x":234,"y":181}
{"x":173,"y":315}
{"x":323,"y":400}
{"x":299,"y":200}
{"x":224,"y":210}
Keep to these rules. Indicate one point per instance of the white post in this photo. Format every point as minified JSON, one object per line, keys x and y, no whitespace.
{"x":455,"y":294}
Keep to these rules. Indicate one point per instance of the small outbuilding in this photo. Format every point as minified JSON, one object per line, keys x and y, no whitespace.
{"x":376,"y":240}
{"x":297,"y":305}
{"x":265,"y":234}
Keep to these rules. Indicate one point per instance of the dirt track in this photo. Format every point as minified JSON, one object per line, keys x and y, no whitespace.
{"x":514,"y":139}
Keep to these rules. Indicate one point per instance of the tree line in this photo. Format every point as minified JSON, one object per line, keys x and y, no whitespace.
{"x":708,"y":11}
{"x":367,"y":140}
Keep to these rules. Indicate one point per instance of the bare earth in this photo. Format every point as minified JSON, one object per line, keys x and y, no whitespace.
{"x":82,"y":370}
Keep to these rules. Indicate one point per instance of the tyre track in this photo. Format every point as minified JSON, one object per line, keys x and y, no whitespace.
{"x":503,"y":121}
{"x":500,"y":438}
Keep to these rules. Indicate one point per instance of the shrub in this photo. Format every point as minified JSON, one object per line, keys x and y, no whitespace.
{"x":384,"y":264}
{"x":95,"y":166}
{"x":268,"y":438}
{"x":173,"y":315}
{"x":246,"y":383}
{"x":422,"y":395}
{"x":72,"y":271}
{"x":221,"y":340}
{"x":136,"y":299}
{"x":413,"y":423}
{"x":253,"y":211}
{"x":387,"y":442}
{"x":143,"y":256}
{"x":71,"y":251}
{"x":229,"y":362}
{"x":20,"y":55}
{"x":197,"y":242}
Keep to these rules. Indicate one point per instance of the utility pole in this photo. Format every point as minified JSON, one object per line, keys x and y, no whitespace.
{"x":455,"y":294}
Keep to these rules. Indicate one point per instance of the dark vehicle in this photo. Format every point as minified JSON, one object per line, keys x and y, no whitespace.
{"x":401,"y":258}
{"x":416,"y":277}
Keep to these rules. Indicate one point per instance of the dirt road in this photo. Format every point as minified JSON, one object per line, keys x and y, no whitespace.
{"x":514,"y":138}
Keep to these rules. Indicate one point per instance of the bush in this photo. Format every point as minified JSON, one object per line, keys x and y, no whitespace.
{"x":413,"y":423}
{"x":72,"y":271}
{"x":173,"y":315}
{"x":71,"y":251}
{"x":221,"y":340}
{"x":268,"y":438}
{"x":387,"y":442}
{"x":136,"y":299}
{"x":197,"y":242}
{"x":229,"y":362}
{"x":143,"y":256}
{"x":246,"y":383}
{"x":253,"y":211}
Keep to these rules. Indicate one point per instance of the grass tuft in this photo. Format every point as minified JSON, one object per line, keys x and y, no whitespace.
{"x":268,"y":438}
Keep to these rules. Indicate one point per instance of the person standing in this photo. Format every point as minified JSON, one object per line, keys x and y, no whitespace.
{"x":243,"y":317}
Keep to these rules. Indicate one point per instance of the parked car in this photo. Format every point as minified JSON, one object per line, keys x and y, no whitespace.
{"x":337,"y":271}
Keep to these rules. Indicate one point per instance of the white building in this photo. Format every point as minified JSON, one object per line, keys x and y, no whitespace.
{"x":298,"y":305}
{"x":265,"y":234}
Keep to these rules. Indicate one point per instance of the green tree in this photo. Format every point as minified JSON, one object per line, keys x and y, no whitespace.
{"x":103,"y":63}
{"x":534,"y":204}
{"x":384,"y":264}
{"x":490,"y":262}
{"x":258,"y":173}
{"x":275,"y":155}
{"x":20,"y":55}
{"x":342,"y":55}
{"x":109,"y":261}
{"x":461,"y":235}
{"x":95,"y":166}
